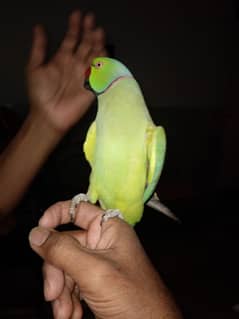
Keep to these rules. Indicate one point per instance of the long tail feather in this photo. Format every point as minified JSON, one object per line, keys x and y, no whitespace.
{"x":156,"y":204}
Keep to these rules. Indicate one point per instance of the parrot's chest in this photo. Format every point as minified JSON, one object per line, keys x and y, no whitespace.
{"x":120,"y":122}
{"x":118,"y":145}
{"x":119,"y":165}
{"x":120,"y":152}
{"x":120,"y":157}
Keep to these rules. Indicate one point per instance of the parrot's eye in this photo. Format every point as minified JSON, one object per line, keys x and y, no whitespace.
{"x":98,"y":65}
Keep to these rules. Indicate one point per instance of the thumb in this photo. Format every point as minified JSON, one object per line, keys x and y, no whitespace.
{"x":64,"y":252}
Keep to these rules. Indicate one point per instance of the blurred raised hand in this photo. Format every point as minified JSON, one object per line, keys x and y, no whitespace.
{"x":56,"y":87}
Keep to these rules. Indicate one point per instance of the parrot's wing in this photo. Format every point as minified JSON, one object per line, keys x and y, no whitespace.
{"x":156,"y":147}
{"x":89,"y":144}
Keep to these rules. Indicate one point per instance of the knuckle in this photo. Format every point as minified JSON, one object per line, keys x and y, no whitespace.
{"x":56,"y":247}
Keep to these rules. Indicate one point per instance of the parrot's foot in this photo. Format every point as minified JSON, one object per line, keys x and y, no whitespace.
{"x":111,"y":213}
{"x":74,"y":203}
{"x":156,"y":204}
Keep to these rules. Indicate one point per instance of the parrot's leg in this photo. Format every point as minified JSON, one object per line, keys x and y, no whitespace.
{"x":111,"y":213}
{"x":75,"y":202}
{"x":155,"y":203}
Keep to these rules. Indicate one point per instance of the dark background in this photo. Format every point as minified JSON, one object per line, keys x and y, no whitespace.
{"x":181,"y":52}
{"x":185,"y":56}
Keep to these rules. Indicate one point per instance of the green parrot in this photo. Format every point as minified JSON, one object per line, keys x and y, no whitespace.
{"x":123,"y":146}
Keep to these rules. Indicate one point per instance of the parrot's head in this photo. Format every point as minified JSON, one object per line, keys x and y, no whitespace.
{"x":103,"y":72}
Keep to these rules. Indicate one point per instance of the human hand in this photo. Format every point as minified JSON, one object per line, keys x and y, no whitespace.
{"x":56,"y":88}
{"x":103,"y":264}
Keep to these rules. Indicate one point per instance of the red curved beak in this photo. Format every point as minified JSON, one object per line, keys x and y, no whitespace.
{"x":87,"y":73}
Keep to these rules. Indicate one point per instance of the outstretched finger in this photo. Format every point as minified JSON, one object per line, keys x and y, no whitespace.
{"x":71,"y":38}
{"x":38,"y":50}
{"x":88,"y":24}
{"x":86,"y":43}
{"x":99,"y":40}
{"x":98,"y":45}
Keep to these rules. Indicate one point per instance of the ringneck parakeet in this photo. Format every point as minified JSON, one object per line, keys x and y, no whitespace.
{"x":123,"y":146}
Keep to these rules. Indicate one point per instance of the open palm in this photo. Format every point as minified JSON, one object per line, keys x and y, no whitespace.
{"x":56,"y":88}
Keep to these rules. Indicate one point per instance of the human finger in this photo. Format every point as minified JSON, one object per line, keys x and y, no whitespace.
{"x":77,"y":307}
{"x":88,"y":23}
{"x":86,"y":43}
{"x":98,"y":46}
{"x":88,"y":217}
{"x":71,"y":38}
{"x":58,"y":214}
{"x":54,"y":277}
{"x":53,"y":281}
{"x":38,"y":50}
{"x":63,"y":306}
{"x":99,"y":40}
{"x":64,"y":252}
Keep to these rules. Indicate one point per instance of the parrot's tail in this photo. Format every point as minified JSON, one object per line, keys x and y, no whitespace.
{"x":155,"y":203}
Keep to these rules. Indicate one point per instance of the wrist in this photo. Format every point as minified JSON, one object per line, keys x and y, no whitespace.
{"x":38,"y":126}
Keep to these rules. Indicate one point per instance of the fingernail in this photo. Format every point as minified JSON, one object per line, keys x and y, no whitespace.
{"x":38,"y":236}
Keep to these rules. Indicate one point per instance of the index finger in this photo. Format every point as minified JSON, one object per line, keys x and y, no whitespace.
{"x":38,"y":49}
{"x":58,"y":214}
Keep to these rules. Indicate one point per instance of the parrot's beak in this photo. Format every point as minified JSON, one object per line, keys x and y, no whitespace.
{"x":87,"y":73}
{"x":86,"y":83}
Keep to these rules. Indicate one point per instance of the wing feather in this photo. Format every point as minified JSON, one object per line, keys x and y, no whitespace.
{"x":156,"y":148}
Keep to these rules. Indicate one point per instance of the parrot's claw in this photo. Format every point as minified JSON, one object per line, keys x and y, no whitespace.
{"x":74,"y":203}
{"x":111,"y":213}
